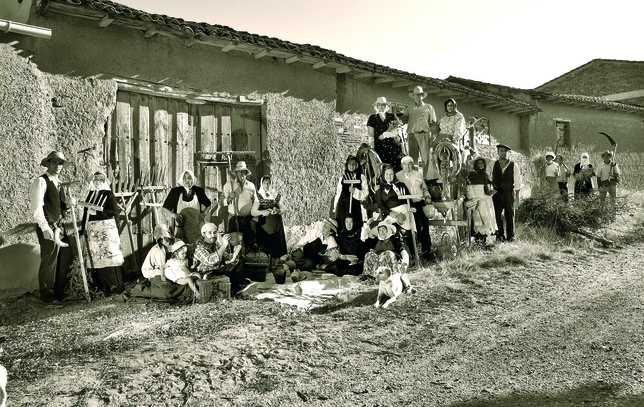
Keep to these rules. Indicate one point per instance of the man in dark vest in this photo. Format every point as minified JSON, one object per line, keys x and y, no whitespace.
{"x":507,"y":182}
{"x":47,"y":208}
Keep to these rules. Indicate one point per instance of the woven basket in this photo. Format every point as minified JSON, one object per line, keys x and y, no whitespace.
{"x":216,"y":288}
{"x":256,"y":271}
{"x":446,"y":250}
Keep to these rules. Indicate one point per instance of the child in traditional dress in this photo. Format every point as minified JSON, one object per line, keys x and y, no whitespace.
{"x":177,"y":267}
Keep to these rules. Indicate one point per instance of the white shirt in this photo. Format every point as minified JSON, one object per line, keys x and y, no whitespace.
{"x":246,"y":199}
{"x":313,"y":232}
{"x":37,"y":200}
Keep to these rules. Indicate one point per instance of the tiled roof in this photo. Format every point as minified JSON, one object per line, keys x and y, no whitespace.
{"x":589,"y":101}
{"x":202,"y":30}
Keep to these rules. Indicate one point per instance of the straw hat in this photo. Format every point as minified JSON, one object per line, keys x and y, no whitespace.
{"x":391,"y":229}
{"x":55,"y":154}
{"x":241,"y":166}
{"x":177,"y":245}
{"x":381,"y":100}
{"x":418,"y":91}
{"x":550,"y":153}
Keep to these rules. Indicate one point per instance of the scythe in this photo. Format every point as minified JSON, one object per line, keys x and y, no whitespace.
{"x":612,"y":143}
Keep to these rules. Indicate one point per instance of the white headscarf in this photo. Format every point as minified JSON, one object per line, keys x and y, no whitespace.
{"x":270,"y":194}
{"x":102,"y":187}
{"x":192,"y":174}
{"x":584,"y":160}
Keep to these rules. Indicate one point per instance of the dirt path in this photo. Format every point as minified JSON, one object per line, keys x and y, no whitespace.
{"x":562,"y":330}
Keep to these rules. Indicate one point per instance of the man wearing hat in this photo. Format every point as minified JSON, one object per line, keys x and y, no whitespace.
{"x":47,"y":205}
{"x":239,"y":194}
{"x":507,"y":182}
{"x":420,"y":118}
{"x":607,"y":177}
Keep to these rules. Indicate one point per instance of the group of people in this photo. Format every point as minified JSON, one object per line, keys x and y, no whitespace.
{"x":605,"y":176}
{"x":377,"y":219}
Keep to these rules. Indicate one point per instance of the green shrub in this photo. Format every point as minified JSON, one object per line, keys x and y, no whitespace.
{"x":544,"y":210}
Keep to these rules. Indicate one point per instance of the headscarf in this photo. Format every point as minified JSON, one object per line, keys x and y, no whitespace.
{"x":479,"y":176}
{"x":270,"y":194}
{"x":187,"y":194}
{"x":455,"y":108}
{"x":584,"y":160}
{"x":348,"y":175}
{"x":103,"y":187}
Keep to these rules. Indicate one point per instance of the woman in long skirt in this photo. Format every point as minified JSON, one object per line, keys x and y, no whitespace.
{"x":268,"y":209}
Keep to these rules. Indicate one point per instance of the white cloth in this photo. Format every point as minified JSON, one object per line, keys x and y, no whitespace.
{"x":176,"y":269}
{"x":483,"y":213}
{"x":245,"y":200}
{"x":154,"y":262}
{"x":314,"y":231}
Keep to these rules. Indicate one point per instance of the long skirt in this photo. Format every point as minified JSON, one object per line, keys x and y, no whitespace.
{"x":271,"y":237}
{"x":103,"y":244}
{"x":483,"y":214}
{"x":373,"y":261}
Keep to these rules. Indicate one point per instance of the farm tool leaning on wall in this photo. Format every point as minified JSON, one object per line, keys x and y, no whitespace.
{"x":124,"y":188}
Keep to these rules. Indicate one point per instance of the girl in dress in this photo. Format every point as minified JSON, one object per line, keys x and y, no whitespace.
{"x":479,"y":195}
{"x":176,"y":269}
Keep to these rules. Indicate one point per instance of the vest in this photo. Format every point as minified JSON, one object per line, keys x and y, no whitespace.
{"x":503,"y":180}
{"x":51,"y":202}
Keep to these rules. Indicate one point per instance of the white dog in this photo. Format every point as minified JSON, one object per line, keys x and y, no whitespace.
{"x":3,"y":386}
{"x":390,"y":285}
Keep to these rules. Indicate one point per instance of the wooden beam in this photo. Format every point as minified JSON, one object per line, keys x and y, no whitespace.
{"x":492,"y":105}
{"x":400,"y":84}
{"x":385,"y":79}
{"x":319,"y":64}
{"x":229,"y":47}
{"x":292,"y":59}
{"x":261,"y":54}
{"x":151,"y":33}
{"x":363,"y":75}
{"x":343,"y":69}
{"x":105,"y":21}
{"x":189,"y":41}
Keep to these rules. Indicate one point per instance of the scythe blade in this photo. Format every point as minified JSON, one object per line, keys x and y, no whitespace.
{"x":612,"y":142}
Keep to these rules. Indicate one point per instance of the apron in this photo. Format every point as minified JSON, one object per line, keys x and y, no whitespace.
{"x":104,"y":244}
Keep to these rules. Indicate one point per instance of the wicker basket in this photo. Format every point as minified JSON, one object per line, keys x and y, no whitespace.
{"x":215,"y":288}
{"x":446,"y":250}
{"x":256,"y":271}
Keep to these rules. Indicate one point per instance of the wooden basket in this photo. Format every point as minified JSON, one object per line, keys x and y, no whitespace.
{"x":215,"y":288}
{"x":446,"y":250}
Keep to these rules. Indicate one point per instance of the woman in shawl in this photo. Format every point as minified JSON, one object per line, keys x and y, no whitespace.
{"x":382,"y":128}
{"x":390,"y":251}
{"x":351,"y":190}
{"x":452,"y":125}
{"x":479,"y":195}
{"x":268,"y":210}
{"x":188,"y":205}
{"x":583,"y":174}
{"x":352,"y":250}
{"x":104,"y":254}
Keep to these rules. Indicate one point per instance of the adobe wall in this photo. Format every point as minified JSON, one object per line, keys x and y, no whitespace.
{"x":627,"y":129}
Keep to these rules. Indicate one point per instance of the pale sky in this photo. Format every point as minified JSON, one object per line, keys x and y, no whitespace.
{"x":519,"y":43}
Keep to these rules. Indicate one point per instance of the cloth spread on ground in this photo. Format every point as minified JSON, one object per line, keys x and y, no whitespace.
{"x":311,"y":292}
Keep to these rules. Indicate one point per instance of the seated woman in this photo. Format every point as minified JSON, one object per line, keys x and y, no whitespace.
{"x":479,"y":195}
{"x":268,"y":210}
{"x":319,"y":237}
{"x":352,"y":251}
{"x":188,"y":205}
{"x":390,"y":251}
{"x":153,"y":269}
{"x":351,"y":190}
{"x":176,"y":269}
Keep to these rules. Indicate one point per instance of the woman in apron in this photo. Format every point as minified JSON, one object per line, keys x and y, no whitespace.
{"x":188,"y":205}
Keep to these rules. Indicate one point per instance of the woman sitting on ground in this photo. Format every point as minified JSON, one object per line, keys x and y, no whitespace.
{"x":153,"y":269}
{"x":177,"y":267}
{"x":479,"y":195}
{"x":319,"y":237}
{"x":390,"y":251}
{"x":352,"y":250}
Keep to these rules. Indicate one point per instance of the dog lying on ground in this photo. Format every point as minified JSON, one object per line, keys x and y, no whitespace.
{"x":390,"y":285}
{"x":3,"y":386}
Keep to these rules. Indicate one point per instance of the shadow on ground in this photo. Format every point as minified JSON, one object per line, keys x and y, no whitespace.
{"x":598,"y":394}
